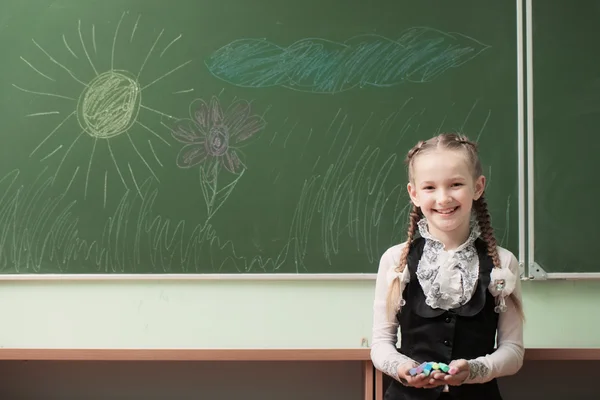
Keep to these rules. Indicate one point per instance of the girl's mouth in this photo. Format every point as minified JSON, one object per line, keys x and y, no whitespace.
{"x":446,"y":211}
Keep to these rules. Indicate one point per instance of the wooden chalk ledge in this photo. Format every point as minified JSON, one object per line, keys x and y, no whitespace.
{"x":250,"y":354}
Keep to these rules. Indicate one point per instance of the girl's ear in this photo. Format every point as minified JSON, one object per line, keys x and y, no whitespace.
{"x":412,"y":192}
{"x":479,"y":187}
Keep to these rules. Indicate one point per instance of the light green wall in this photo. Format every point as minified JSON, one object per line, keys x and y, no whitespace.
{"x":237,"y":314}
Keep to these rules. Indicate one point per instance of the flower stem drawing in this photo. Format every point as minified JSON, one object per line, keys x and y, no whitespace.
{"x":213,"y":196}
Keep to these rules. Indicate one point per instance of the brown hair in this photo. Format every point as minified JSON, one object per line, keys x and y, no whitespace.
{"x":456,"y":142}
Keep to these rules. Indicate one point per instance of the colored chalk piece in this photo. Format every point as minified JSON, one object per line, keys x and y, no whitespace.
{"x":444,"y":367}
{"x":427,"y":369}
{"x":452,"y":371}
{"x":435,"y":366}
{"x":417,"y":370}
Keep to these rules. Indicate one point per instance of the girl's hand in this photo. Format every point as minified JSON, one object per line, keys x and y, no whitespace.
{"x":420,"y":380}
{"x":461,"y":373}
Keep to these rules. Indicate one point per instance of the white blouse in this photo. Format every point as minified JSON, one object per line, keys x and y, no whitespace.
{"x":441,"y":276}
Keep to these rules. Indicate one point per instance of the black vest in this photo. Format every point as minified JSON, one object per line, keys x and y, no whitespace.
{"x":429,"y":334}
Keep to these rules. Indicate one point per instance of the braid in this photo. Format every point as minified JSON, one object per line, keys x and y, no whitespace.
{"x":487,"y":233}
{"x":394,"y":291}
{"x":415,"y":216}
{"x":411,"y":153}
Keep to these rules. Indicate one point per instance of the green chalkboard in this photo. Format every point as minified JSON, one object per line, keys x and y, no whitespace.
{"x":231,"y":136}
{"x":566,"y":80}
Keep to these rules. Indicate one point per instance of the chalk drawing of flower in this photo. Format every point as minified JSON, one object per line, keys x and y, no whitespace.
{"x":212,"y":136}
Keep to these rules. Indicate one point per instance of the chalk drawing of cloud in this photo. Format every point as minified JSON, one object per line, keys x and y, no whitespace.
{"x":318,"y":65}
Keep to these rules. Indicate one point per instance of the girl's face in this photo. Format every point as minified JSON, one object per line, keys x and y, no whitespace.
{"x":443,"y":186}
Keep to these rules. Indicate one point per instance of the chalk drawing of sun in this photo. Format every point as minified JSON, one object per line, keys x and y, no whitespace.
{"x":106,"y":108}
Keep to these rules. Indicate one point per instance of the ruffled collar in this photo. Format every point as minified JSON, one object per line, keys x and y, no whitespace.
{"x":475,"y":232}
{"x":448,"y":277}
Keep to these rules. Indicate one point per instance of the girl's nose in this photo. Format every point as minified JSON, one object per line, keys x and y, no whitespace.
{"x":444,"y":198}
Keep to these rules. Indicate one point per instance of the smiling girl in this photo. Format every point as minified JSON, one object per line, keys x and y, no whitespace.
{"x":450,"y":291}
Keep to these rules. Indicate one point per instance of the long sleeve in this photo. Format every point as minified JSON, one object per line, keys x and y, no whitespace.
{"x":507,"y":359}
{"x":384,"y":354}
